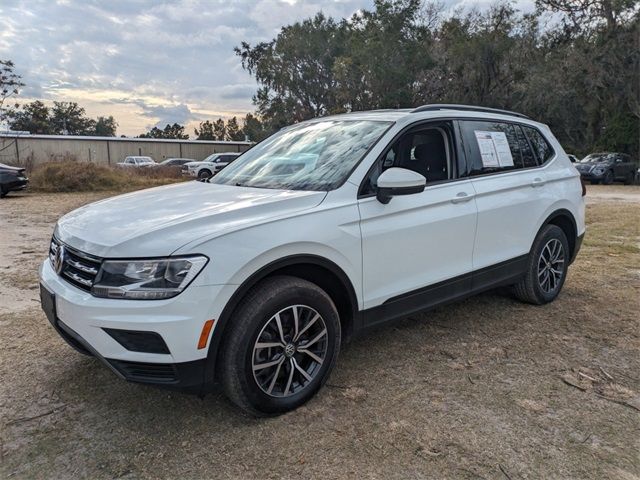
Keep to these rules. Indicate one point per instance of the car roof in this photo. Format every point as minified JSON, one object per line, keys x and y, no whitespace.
{"x":435,"y":111}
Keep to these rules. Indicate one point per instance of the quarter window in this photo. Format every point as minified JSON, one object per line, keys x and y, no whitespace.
{"x":540,"y":145}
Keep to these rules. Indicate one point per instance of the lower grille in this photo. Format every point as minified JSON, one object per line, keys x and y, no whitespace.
{"x":146,"y":372}
{"x":78,"y":268}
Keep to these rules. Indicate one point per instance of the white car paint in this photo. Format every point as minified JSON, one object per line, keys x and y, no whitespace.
{"x":385,"y":250}
{"x":213,"y":163}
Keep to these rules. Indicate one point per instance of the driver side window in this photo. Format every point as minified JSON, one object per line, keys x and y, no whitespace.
{"x":427,"y":150}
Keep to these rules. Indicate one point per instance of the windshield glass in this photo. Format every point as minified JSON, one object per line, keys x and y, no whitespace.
{"x":311,"y":156}
{"x":596,"y":157}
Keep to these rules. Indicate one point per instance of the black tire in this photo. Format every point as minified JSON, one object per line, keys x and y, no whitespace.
{"x":250,"y":323}
{"x":608,"y":178}
{"x":532,"y":288}
{"x":204,"y":173}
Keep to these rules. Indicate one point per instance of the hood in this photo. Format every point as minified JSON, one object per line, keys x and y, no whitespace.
{"x":10,"y":168}
{"x":158,"y":221}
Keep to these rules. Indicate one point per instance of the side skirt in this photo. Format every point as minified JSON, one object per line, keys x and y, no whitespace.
{"x":457,"y":288}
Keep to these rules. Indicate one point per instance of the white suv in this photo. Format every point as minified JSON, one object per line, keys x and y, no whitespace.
{"x":210,"y":166}
{"x":324,"y":230}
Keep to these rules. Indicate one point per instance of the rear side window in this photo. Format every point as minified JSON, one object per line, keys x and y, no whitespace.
{"x":491,"y":147}
{"x":541,"y":147}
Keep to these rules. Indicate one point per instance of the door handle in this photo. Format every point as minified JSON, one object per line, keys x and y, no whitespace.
{"x":462,"y":197}
{"x":538,"y":182}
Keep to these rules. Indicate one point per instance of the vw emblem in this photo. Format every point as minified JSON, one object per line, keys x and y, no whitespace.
{"x":289,"y":350}
{"x":58,"y":259}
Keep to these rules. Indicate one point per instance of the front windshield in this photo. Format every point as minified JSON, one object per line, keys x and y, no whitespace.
{"x":311,"y":156}
{"x":596,"y":157}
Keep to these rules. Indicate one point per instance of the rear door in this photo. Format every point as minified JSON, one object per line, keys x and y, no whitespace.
{"x":511,"y":192}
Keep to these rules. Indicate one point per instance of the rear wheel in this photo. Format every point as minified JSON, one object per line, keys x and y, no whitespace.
{"x":282,"y":346}
{"x":547,"y":267}
{"x":204,"y":173}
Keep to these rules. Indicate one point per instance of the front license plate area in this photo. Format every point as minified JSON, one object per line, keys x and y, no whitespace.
{"x":48,"y":303}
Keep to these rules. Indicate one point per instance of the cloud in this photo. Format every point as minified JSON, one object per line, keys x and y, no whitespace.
{"x":181,"y":114}
{"x":161,"y":60}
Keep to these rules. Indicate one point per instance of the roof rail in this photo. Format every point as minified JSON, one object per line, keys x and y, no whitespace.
{"x":467,"y":108}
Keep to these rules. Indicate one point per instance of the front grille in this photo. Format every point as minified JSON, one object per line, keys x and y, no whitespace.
{"x":146,"y":372}
{"x":138,"y":341}
{"x":79,"y":269}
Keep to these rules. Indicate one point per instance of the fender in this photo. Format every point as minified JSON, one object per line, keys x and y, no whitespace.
{"x":209,"y":379}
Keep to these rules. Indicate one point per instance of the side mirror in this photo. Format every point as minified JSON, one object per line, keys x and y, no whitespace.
{"x":399,"y":181}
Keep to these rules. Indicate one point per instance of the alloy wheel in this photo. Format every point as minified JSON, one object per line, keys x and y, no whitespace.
{"x":289,"y":351}
{"x":551,"y":265}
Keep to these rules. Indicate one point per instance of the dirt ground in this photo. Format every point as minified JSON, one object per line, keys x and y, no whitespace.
{"x":487,"y":388}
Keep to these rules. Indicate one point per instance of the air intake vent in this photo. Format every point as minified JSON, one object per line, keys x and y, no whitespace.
{"x":137,"y":341}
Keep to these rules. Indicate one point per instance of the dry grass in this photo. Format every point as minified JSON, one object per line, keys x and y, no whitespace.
{"x":486,"y":388}
{"x":68,"y":176}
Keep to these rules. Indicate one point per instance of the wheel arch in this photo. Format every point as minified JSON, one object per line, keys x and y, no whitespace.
{"x":316,"y":269}
{"x":565,"y":220}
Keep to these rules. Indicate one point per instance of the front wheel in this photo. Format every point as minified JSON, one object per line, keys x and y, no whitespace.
{"x":547,"y":267}
{"x":608,"y":178}
{"x":204,"y":173}
{"x":281,"y":347}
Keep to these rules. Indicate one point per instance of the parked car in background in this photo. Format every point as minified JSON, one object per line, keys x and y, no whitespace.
{"x":607,"y":167}
{"x":572,"y":158}
{"x":328,"y":228}
{"x":12,"y":179}
{"x":211,"y":165}
{"x":175,"y":162}
{"x":134,"y":161}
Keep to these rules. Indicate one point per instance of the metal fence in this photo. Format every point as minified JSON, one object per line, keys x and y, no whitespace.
{"x":30,"y":150}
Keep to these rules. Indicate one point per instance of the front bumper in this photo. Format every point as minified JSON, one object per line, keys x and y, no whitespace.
{"x":16,"y":185}
{"x":85,"y":321}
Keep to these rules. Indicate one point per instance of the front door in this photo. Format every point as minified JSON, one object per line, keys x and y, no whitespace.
{"x":417,"y":249}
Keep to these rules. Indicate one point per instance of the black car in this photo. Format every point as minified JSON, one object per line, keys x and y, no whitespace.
{"x":607,"y":168}
{"x":12,"y":179}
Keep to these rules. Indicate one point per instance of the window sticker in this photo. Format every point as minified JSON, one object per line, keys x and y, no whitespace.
{"x":494,"y":149}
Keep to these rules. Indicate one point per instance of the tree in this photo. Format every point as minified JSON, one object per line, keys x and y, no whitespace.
{"x":578,"y":74}
{"x":68,"y":118}
{"x":106,"y":126}
{"x":219,"y":130}
{"x":234,"y":133}
{"x":33,"y":118}
{"x":205,"y":131}
{"x":10,"y":83}
{"x":253,"y":129}
{"x":175,"y":131}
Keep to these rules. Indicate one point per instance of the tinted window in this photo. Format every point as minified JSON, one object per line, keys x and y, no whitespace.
{"x":540,"y":145}
{"x":491,"y":147}
{"x":528,"y":158}
{"x":425,"y":150}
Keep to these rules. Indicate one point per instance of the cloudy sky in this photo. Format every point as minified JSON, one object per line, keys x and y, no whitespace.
{"x":151,"y":62}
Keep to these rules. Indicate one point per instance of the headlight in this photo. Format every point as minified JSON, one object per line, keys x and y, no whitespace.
{"x":598,"y":170}
{"x":152,"y":279}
